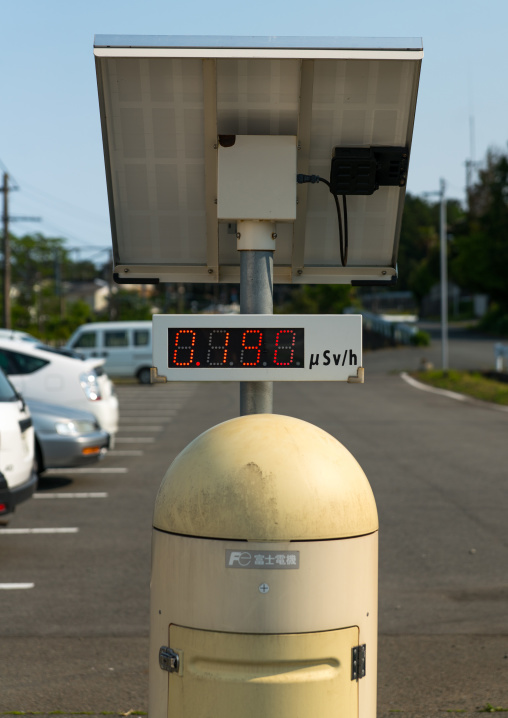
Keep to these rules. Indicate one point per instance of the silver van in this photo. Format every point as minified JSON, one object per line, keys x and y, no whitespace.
{"x":126,"y":346}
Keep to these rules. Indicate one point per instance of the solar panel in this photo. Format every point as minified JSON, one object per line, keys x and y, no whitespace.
{"x":164,"y":101}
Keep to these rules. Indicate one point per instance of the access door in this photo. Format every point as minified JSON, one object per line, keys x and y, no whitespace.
{"x":232,"y":675}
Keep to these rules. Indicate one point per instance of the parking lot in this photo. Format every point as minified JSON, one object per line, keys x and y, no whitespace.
{"x":75,"y":560}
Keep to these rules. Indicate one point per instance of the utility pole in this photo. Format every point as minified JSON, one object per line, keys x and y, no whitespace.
{"x":444,"y":276}
{"x":444,"y":270}
{"x":5,"y":189}
{"x":7,"y":255}
{"x":471,"y":165}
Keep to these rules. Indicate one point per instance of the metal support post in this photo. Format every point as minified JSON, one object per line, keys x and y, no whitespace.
{"x":256,"y":297}
{"x":444,"y":278}
{"x":7,"y":255}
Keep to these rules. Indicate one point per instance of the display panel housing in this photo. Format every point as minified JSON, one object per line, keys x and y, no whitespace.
{"x":257,"y":347}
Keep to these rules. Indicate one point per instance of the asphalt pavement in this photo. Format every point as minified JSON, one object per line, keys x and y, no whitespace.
{"x":75,"y":637}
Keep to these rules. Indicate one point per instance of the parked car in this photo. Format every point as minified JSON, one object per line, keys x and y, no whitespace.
{"x":44,"y":375}
{"x":16,"y":334}
{"x":125,"y":346}
{"x":26,"y":337}
{"x":18,"y":479}
{"x":59,"y":350}
{"x":65,"y":437}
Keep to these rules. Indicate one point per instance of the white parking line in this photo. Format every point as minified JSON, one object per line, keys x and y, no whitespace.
{"x":40,"y":531}
{"x":70,"y":495}
{"x":135,"y":392}
{"x":135,"y":409}
{"x":15,"y":586}
{"x":150,"y":406}
{"x":145,"y":417}
{"x":134,"y":452}
{"x":151,"y":427}
{"x":135,"y":440}
{"x":170,"y":404}
{"x":144,"y":398}
{"x":113,"y":470}
{"x":152,"y":411}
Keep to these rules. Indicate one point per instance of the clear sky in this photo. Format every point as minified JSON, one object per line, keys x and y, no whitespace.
{"x":50,"y":140}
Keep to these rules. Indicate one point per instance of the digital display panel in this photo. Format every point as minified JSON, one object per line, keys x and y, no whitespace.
{"x":236,"y":347}
{"x":257,"y":347}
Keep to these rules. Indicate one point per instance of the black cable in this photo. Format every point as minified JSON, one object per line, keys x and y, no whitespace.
{"x":343,"y":234}
{"x":346,"y":232}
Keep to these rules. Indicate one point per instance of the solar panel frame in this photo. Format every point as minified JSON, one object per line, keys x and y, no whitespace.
{"x":164,"y":101}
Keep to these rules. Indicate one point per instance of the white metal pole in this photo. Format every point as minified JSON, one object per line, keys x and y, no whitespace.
{"x":444,"y":278}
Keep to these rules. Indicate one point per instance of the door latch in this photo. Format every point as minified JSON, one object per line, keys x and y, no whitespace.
{"x":169,"y":660}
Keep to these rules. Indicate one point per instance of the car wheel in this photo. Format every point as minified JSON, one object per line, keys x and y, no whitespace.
{"x":144,"y":375}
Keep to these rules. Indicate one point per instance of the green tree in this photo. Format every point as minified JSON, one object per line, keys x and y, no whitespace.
{"x":320,"y":299}
{"x":60,"y":328}
{"x":129,"y":305}
{"x":35,"y":257}
{"x":418,"y":237}
{"x":37,"y":265}
{"x":480,"y":257}
{"x":419,"y":250}
{"x":40,"y":267}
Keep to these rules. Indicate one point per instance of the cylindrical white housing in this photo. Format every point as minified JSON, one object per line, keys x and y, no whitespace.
{"x":264,"y":576}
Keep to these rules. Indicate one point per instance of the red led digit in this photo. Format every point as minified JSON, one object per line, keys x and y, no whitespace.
{"x":286,"y":345}
{"x":222,"y":350}
{"x":249,"y":345}
{"x":185,"y":345}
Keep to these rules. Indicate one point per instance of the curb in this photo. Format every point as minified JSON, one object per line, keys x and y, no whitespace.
{"x":451,"y":394}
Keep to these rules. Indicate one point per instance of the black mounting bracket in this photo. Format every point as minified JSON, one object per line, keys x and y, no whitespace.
{"x":362,"y":170}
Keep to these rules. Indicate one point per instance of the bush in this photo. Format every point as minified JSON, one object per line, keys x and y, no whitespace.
{"x":420,"y":339}
{"x":495,"y":321}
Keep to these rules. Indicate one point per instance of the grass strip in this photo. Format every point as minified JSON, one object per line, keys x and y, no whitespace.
{"x":471,"y":383}
{"x":130,"y":713}
{"x":488,"y":708}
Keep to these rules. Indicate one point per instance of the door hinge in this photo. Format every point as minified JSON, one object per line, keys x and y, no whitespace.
{"x":168,"y":659}
{"x":358,"y":657}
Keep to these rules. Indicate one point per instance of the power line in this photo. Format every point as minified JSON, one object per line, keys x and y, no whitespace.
{"x":36,"y":196}
{"x":64,"y":205}
{"x":14,"y":184}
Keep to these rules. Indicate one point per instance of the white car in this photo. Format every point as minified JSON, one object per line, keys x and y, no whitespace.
{"x":46,"y":375}
{"x":16,"y":334}
{"x":18,"y":479}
